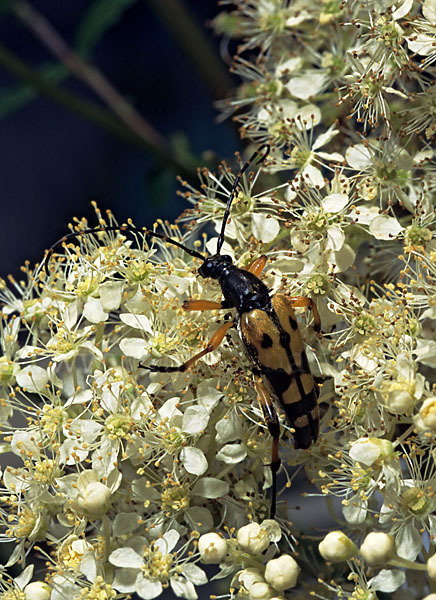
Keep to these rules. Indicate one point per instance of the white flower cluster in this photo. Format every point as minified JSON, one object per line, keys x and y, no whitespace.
{"x":123,"y":479}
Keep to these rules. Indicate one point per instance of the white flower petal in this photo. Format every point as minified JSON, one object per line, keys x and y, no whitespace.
{"x":313,"y":176}
{"x":289,"y":65}
{"x":134,"y":347}
{"x":111,"y":294}
{"x":335,"y":237}
{"x":24,"y":577}
{"x":264,"y":228}
{"x":88,"y":566}
{"x":306,"y":84}
{"x":88,"y":345}
{"x":32,"y":378}
{"x":425,"y":352}
{"x":168,"y":541}
{"x":124,"y":580}
{"x":334,"y":203}
{"x":229,"y":428}
{"x":126,"y":557}
{"x":81,"y":397}
{"x":355,"y":512}
{"x":364,"y":214}
{"x":421,"y":44}
{"x":195,"y":419}
{"x":147,"y":588}
{"x":429,"y":10}
{"x":343,"y":259}
{"x":209,"y":487}
{"x":329,"y":156}
{"x":194,"y":460}
{"x":93,"y":311}
{"x":183,"y":588}
{"x":125,"y":523}
{"x":70,"y":314}
{"x":408,"y":541}
{"x":387,"y":580}
{"x":358,"y":157}
{"x":137,"y":321}
{"x":385,"y":227}
{"x":307,"y":117}
{"x":324,"y":138}
{"x":199,"y":518}
{"x":232,"y":454}
{"x":194,"y":574}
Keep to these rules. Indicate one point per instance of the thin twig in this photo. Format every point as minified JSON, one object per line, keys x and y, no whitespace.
{"x":45,"y":32}
{"x":89,"y":110}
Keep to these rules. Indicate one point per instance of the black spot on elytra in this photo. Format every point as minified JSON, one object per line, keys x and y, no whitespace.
{"x":278,"y":378}
{"x":285,"y":339}
{"x":293,"y":323}
{"x":266,"y":341}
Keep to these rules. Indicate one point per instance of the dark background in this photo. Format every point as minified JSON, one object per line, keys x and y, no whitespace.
{"x":54,"y":162}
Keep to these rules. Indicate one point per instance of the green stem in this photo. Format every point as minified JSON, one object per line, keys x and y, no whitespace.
{"x":89,"y":110}
{"x":407,"y":564}
{"x":194,"y":44}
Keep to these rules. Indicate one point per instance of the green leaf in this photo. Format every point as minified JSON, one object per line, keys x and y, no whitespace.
{"x":99,"y":17}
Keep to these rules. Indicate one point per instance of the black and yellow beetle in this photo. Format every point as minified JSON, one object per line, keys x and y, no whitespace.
{"x":268,"y":329}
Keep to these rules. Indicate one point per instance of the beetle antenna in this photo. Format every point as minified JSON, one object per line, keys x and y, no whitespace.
{"x":129,"y":228}
{"x":265,"y":148}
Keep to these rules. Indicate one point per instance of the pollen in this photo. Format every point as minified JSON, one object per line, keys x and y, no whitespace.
{"x":174,"y":496}
{"x":157,"y":565}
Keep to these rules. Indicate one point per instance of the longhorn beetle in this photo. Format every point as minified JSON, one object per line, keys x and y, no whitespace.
{"x":267,"y":327}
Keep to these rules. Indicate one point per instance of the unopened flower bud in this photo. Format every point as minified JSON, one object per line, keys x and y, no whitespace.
{"x":253,"y":538}
{"x":377,"y":548}
{"x":260,"y":591}
{"x":336,"y":547}
{"x":37,"y":590}
{"x":425,"y":420}
{"x":367,"y":451}
{"x":212,"y":548}
{"x":282,"y":572}
{"x":398,"y":397}
{"x":430,"y":597}
{"x":94,"y":500}
{"x":431,"y":567}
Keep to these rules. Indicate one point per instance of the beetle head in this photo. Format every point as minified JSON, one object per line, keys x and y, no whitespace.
{"x":214,"y":265}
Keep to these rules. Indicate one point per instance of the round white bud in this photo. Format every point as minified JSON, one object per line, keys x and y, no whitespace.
{"x":253,"y":538}
{"x":336,"y":547}
{"x":212,"y":548}
{"x":37,"y":590}
{"x":94,"y":500}
{"x":431,"y":567}
{"x":430,"y":597}
{"x":282,"y":572}
{"x":369,"y":451}
{"x":260,"y":591}
{"x":377,"y":548}
{"x":398,"y":400}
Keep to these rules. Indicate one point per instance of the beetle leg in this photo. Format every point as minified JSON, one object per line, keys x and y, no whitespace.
{"x":303,"y":301}
{"x":213,"y":344}
{"x":204,"y":305}
{"x":272,"y":422}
